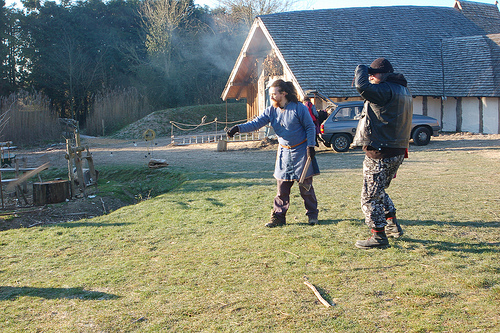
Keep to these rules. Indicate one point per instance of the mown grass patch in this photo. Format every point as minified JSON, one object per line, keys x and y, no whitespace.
{"x":133,"y":184}
{"x":129,"y":183}
{"x":198,"y":259}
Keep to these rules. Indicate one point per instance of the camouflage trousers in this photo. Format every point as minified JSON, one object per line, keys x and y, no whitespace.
{"x":377,"y":176}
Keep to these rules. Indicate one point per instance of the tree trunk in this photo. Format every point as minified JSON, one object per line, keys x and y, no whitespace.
{"x":51,"y":192}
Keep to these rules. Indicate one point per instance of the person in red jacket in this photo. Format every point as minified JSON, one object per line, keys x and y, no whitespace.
{"x":314,"y":115}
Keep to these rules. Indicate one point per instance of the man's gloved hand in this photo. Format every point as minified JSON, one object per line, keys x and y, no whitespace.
{"x":230,"y":133}
{"x":311,"y":152}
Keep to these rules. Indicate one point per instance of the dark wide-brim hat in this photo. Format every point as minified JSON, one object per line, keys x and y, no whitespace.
{"x":380,"y":65}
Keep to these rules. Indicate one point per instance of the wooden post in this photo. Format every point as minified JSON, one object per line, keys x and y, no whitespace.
{"x":459,"y":114}
{"x":77,"y":135}
{"x":93,"y":173}
{"x":16,"y":167}
{"x":1,"y":189}
{"x":79,"y":173}
{"x":222,"y":145}
{"x":19,"y":189}
{"x":25,"y":165}
{"x":70,"y":156}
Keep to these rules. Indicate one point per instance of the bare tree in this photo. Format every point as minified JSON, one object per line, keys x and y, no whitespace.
{"x":161,"y":18}
{"x":245,"y":11}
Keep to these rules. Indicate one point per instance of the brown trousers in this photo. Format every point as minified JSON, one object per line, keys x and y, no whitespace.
{"x":282,"y":199}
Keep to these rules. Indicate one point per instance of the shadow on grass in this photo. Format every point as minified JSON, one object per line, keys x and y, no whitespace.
{"x":474,"y":224}
{"x":466,"y":247}
{"x":240,"y":174}
{"x":215,"y":202}
{"x":202,"y":183}
{"x":320,"y":222}
{"x":12,"y":293}
{"x":85,"y":224}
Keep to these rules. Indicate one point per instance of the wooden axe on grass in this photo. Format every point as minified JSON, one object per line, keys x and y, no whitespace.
{"x":307,"y":187}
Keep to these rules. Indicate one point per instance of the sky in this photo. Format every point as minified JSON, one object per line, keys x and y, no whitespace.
{"x":324,"y":4}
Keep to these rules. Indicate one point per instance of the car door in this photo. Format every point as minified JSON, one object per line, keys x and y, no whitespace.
{"x":346,"y":119}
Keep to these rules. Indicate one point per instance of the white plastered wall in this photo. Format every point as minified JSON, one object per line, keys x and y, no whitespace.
{"x":491,"y":109}
{"x":470,"y":114}
{"x":418,"y":105}
{"x":449,"y":115}
{"x":434,"y":108}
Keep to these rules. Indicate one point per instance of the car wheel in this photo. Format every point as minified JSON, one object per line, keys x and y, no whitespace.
{"x":341,"y":142}
{"x":421,"y":136}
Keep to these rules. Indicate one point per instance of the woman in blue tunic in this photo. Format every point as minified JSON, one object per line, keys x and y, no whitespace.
{"x":297,"y":137}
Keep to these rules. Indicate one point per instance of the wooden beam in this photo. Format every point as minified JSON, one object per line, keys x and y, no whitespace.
{"x":239,"y":84}
{"x":260,"y":54}
{"x":28,"y":175}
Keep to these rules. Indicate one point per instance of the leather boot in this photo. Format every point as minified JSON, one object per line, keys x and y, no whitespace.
{"x":312,"y":221}
{"x":378,"y":240}
{"x":393,"y":229}
{"x":276,"y":220}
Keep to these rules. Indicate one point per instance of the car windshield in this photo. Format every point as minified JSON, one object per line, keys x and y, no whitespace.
{"x":349,"y":113}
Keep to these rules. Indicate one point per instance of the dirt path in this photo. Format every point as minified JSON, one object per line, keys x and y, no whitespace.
{"x":115,"y":152}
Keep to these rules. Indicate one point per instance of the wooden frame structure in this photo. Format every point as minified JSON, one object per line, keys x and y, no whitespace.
{"x":74,"y":155}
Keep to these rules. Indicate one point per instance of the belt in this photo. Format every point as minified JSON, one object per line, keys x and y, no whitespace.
{"x":290,"y":147}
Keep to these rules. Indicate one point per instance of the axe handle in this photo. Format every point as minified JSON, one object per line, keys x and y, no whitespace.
{"x":304,"y":171}
{"x":27,"y":175}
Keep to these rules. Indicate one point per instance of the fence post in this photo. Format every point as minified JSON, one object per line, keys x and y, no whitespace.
{"x":172,"y":133}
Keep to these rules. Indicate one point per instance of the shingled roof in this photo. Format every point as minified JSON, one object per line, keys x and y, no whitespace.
{"x":322,"y":48}
{"x":472,"y":66}
{"x":484,"y":15}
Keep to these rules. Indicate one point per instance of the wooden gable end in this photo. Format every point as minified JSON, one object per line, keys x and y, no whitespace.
{"x":254,"y":69}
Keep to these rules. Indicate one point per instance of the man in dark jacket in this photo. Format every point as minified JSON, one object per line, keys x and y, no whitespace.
{"x":384,"y":133}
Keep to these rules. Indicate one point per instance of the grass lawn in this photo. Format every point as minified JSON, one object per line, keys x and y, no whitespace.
{"x":198,"y":259}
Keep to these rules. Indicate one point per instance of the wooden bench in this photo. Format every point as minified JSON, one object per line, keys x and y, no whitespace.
{"x":7,"y":156}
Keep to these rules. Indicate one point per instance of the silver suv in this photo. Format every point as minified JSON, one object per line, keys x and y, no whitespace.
{"x":338,"y":130}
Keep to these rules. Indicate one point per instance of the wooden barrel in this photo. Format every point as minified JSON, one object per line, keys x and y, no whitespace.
{"x":51,"y":192}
